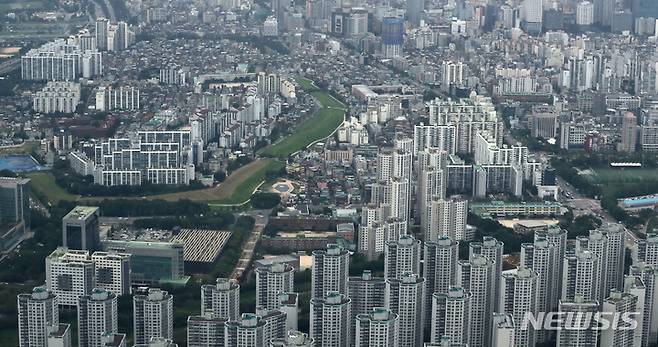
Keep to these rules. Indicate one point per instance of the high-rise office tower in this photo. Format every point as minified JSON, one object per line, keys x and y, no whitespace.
{"x":14,"y":210}
{"x":80,"y":229}
{"x":581,"y":276}
{"x":153,"y":315}
{"x":451,"y":315}
{"x":586,"y":337}
{"x":543,"y":258}
{"x":97,"y":315}
{"x":649,"y":277}
{"x":379,"y":328}
{"x":272,"y":280}
{"x":405,"y":296}
{"x":476,"y":276}
{"x":205,"y":331}
{"x":492,"y":249}
{"x":248,"y":331}
{"x":36,"y":312}
{"x":221,"y":300}
{"x":402,"y":256}
{"x":629,"y":131}
{"x":112,"y":271}
{"x":70,"y":275}
{"x":102,"y":30}
{"x":623,"y":334}
{"x":502,"y":330}
{"x":518,"y":296}
{"x":367,"y":293}
{"x":446,"y":217}
{"x":439,"y":270}
{"x":330,"y":320}
{"x":330,"y":271}
{"x":392,"y":36}
{"x":415,"y":9}
{"x":293,"y":339}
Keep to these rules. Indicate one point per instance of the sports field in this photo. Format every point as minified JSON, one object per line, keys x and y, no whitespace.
{"x":627,"y":175}
{"x":324,"y":122}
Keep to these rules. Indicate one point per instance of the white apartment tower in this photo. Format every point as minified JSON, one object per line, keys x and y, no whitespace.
{"x":439,"y":270}
{"x":518,"y":296}
{"x":620,"y":303}
{"x":578,"y":337}
{"x":330,"y":320}
{"x":477,"y":277}
{"x":221,"y":300}
{"x":367,"y":293}
{"x":502,"y":330}
{"x":492,"y":249}
{"x":402,"y":256}
{"x":37,"y":312}
{"x":543,"y":258}
{"x":248,"y":331}
{"x":451,"y":314}
{"x":581,"y":276}
{"x":380,"y":328}
{"x":649,"y":277}
{"x":446,"y":217}
{"x":405,"y":296}
{"x":330,"y":271}
{"x":97,"y":316}
{"x":272,"y":280}
{"x":153,"y":315}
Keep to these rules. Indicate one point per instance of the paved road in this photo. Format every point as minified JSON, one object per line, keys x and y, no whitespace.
{"x":582,"y":205}
{"x":261,"y":217}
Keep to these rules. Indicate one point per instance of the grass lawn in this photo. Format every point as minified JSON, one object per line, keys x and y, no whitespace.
{"x":319,"y":126}
{"x":236,"y":189}
{"x":45,"y":188}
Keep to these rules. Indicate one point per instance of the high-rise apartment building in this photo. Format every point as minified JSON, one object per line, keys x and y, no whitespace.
{"x":272,"y":280}
{"x":205,"y":331}
{"x":405,"y":296}
{"x":221,"y":300}
{"x":629,"y":132}
{"x":293,"y":339}
{"x":581,"y":276}
{"x":248,"y":331}
{"x":439,"y":271}
{"x":518,"y":296}
{"x":476,"y":276}
{"x":97,"y":316}
{"x":379,"y":328}
{"x":451,"y":312}
{"x":153,"y":315}
{"x":586,"y":337}
{"x":367,"y":292}
{"x":330,"y":271}
{"x":37,"y":312}
{"x":492,"y":249}
{"x":402,"y":255}
{"x":330,"y":320}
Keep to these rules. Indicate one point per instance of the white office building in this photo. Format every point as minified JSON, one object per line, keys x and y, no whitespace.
{"x":112,"y":271}
{"x":70,"y":274}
